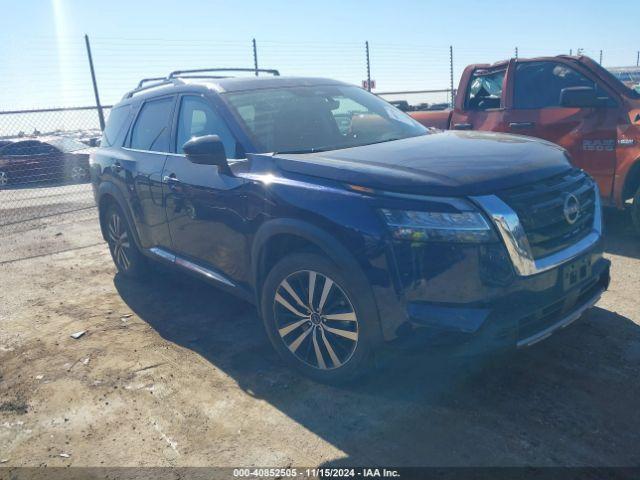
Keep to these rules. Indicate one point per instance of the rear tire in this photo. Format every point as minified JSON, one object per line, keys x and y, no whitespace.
{"x":635,"y":211}
{"x":124,"y":252}
{"x":329,"y":334}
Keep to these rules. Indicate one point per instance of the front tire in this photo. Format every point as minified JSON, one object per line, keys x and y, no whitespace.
{"x":124,"y":252}
{"x":320,"y":319}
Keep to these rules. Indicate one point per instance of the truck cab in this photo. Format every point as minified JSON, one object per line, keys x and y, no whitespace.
{"x":571,"y":101}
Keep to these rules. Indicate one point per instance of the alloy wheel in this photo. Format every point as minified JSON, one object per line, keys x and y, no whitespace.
{"x":316,"y":320}
{"x":119,"y":240}
{"x":77,"y":173}
{"x":4,"y":179}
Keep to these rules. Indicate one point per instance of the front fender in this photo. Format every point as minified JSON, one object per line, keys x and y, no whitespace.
{"x":313,"y":234}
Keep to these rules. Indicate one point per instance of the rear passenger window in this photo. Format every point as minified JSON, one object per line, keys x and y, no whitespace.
{"x":198,"y":118}
{"x":485,"y":90}
{"x":115,"y":125}
{"x":151,"y":130}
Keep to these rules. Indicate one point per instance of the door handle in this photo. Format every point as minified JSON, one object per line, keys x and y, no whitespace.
{"x":170,"y":179}
{"x":117,"y":167}
{"x":172,"y":182}
{"x":462,"y":126}
{"x":521,"y":124}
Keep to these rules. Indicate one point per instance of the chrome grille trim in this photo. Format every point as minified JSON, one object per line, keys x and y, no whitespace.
{"x":516,"y":242}
{"x":540,"y":207}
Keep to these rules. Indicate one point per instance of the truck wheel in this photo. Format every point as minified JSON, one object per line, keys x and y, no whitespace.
{"x":78,"y":174}
{"x":126,"y":256}
{"x":4,"y":179}
{"x":635,"y":211}
{"x":319,"y":318}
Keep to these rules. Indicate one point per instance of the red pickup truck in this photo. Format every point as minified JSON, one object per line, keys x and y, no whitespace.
{"x":571,"y":101}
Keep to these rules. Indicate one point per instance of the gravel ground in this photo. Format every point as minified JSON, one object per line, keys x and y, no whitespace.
{"x":172,"y":372}
{"x":21,"y":208}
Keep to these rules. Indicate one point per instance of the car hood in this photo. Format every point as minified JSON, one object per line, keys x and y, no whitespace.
{"x":441,"y":163}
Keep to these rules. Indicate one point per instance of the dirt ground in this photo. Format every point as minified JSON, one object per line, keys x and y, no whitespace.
{"x":172,"y":372}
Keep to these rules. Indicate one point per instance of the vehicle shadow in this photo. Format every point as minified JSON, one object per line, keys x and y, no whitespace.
{"x":620,"y":235}
{"x":571,"y":400}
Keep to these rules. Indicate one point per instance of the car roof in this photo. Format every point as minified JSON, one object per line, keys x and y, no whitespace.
{"x":237,"y":84}
{"x":504,"y":63}
{"x":61,"y":142}
{"x":223,"y":85}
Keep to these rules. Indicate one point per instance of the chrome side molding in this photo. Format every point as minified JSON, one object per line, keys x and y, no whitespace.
{"x":194,"y":267}
{"x":170,"y":257}
{"x":515,"y":238}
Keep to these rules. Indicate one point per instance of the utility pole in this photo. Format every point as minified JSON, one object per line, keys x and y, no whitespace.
{"x":255,"y":57}
{"x":600,"y":57}
{"x":95,"y":83}
{"x":516,"y":53}
{"x":451,"y":72}
{"x":638,"y":59}
{"x":366,"y":46}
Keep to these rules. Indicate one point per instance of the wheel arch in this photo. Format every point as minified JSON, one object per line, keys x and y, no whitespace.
{"x":298,"y":236}
{"x":632,"y":181}
{"x":109,"y":194}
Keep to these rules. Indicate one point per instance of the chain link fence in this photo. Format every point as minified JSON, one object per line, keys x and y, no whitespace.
{"x":44,"y":162}
{"x":44,"y":151}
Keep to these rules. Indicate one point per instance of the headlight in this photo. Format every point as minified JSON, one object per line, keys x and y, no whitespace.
{"x":467,"y":227}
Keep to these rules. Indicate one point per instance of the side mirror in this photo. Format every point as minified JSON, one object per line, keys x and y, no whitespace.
{"x":579,"y":97}
{"x":207,"y":150}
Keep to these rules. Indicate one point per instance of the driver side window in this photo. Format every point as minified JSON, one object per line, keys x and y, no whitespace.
{"x":198,"y":118}
{"x":539,"y":84}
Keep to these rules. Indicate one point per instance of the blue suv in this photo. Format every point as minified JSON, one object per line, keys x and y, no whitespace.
{"x":345,"y":222}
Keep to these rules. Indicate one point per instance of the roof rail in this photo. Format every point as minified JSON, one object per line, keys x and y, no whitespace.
{"x":141,"y":87}
{"x":174,"y":77}
{"x":150,"y":79}
{"x":179,"y":73}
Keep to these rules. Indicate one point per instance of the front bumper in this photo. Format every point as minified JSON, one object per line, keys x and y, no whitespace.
{"x":499,"y":293}
{"x":495,"y":293}
{"x":546,"y":325}
{"x":487,"y":316}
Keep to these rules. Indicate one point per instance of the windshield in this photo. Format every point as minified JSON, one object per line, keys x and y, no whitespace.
{"x":318,"y":118}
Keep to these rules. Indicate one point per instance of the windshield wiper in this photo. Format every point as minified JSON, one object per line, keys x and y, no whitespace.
{"x":339,"y":147}
{"x":309,"y":150}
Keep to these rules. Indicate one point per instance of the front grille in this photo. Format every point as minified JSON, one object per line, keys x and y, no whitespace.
{"x":540,"y":207}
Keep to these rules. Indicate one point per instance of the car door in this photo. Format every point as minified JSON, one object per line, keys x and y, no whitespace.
{"x":483,"y":105}
{"x":206,"y":209}
{"x":147,"y":146}
{"x":589,"y":134}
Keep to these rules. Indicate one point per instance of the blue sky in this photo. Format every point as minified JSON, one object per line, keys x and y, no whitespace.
{"x":43,"y":49}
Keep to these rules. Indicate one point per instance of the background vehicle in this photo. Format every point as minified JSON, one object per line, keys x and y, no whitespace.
{"x":405,"y":106}
{"x":28,"y":161}
{"x":344,"y":220}
{"x":630,"y":76}
{"x":570,"y":101}
{"x":401,"y":105}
